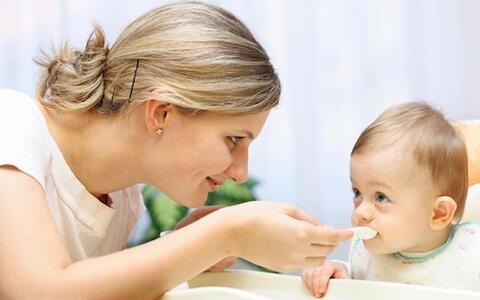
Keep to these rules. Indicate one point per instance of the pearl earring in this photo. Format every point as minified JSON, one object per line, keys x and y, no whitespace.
{"x":158,"y":131}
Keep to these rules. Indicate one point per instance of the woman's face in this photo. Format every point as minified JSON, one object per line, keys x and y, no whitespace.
{"x":195,"y":154}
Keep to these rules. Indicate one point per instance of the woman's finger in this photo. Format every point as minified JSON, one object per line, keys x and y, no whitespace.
{"x":302,"y":216}
{"x":327,"y":235}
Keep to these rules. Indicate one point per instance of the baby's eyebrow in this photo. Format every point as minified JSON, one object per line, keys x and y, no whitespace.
{"x":374,"y":183}
{"x":379,"y":183}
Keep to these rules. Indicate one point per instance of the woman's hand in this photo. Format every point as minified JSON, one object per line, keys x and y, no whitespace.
{"x":279,"y":236}
{"x":197,"y":214}
{"x":317,"y":278}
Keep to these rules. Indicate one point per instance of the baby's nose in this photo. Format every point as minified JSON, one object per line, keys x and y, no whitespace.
{"x":364,"y":215}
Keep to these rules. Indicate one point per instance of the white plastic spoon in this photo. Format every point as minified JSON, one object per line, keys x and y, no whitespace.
{"x":364,"y":232}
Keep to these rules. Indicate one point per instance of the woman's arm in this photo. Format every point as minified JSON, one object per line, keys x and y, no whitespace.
{"x":35,"y":263}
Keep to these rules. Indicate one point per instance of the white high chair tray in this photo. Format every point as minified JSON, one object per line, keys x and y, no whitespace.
{"x":252,"y":285}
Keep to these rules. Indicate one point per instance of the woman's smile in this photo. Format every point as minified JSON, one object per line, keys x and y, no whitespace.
{"x":214,"y":184}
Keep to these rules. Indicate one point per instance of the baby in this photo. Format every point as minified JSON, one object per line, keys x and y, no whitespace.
{"x":409,"y":180}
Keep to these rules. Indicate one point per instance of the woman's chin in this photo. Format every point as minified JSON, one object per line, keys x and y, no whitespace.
{"x":193,"y":201}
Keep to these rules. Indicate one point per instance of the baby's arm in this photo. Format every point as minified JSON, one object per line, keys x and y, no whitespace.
{"x":317,"y":278}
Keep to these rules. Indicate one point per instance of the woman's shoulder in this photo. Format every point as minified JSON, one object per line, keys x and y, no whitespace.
{"x":21,"y":115}
{"x":24,"y":134}
{"x":15,"y":106}
{"x":12,"y":97}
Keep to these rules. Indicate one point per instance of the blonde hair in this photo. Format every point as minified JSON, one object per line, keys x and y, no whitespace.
{"x":435,"y":145}
{"x":201,"y":54}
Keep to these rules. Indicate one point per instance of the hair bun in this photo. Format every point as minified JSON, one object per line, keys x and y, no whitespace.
{"x":73,"y":79}
{"x":92,"y":61}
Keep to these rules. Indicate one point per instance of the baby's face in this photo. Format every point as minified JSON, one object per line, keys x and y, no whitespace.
{"x":394,"y":196}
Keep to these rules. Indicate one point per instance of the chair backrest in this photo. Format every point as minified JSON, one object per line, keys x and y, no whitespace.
{"x":471,"y":134}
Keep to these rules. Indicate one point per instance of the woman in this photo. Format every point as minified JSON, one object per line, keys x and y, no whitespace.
{"x":175,"y":102}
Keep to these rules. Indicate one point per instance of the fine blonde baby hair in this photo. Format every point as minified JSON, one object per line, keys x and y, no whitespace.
{"x":435,"y":144}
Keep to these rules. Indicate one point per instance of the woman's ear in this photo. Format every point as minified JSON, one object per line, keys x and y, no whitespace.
{"x":157,"y":112}
{"x":156,"y":115}
{"x":443,"y":212}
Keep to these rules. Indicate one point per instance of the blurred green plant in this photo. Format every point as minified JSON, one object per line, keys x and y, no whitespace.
{"x":165,"y":213}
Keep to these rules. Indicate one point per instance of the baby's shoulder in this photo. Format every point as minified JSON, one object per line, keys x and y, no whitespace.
{"x":469,"y":226}
{"x":467,"y":234}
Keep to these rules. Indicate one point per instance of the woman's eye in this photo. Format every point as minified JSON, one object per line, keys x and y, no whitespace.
{"x":235,"y":139}
{"x":381,"y":198}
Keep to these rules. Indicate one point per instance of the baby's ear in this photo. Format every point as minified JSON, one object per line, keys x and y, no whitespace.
{"x":443,"y":212}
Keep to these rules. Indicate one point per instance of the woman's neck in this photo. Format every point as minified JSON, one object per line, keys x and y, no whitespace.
{"x":96,"y":148}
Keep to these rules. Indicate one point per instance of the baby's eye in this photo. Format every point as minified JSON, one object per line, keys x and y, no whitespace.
{"x":357,"y":196}
{"x":356,"y":193}
{"x":381,"y":198}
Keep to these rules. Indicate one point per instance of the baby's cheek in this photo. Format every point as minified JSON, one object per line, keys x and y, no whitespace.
{"x":375,"y":246}
{"x":402,"y":240}
{"x":385,"y":243}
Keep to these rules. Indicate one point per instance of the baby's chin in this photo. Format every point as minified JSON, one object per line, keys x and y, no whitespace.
{"x":378,"y":247}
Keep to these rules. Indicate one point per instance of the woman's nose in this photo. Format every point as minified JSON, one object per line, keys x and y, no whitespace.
{"x":238,"y":169}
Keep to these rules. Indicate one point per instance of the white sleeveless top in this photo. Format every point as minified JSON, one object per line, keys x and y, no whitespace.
{"x":88,"y":227}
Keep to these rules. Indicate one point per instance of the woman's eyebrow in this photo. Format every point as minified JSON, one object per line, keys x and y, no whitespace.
{"x":248,"y":133}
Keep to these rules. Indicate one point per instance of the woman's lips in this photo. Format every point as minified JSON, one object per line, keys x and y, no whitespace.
{"x":213,"y":183}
